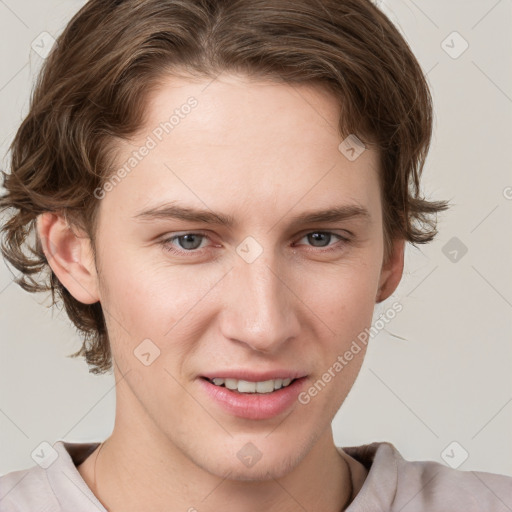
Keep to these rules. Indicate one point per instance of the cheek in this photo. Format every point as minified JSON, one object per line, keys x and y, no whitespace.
{"x":346,"y":306}
{"x":159,"y":302}
{"x":343,"y":297}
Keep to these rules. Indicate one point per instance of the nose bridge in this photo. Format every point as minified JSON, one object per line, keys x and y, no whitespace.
{"x":260,"y":311}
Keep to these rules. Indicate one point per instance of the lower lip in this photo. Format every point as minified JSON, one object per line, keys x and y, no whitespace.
{"x":254,"y":406}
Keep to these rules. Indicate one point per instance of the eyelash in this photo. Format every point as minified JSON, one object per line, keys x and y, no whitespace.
{"x":169,"y":248}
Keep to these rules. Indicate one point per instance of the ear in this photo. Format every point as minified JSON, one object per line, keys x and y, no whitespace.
{"x":391,"y":272}
{"x":69,"y":254}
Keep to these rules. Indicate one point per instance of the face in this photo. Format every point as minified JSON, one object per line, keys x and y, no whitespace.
{"x":250,"y":289}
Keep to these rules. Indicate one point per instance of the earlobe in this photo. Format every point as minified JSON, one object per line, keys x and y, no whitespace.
{"x":392,"y":271}
{"x":69,"y":254}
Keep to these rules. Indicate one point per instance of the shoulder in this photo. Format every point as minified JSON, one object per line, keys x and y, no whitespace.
{"x":55,"y":485}
{"x":421,"y":486}
{"x":27,"y":490}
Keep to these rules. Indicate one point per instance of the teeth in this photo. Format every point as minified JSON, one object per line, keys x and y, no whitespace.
{"x":244,"y":386}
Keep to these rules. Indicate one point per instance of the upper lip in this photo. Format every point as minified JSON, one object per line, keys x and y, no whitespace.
{"x":252,"y":376}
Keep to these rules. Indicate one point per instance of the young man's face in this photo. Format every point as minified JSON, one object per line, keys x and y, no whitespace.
{"x":265,"y":296}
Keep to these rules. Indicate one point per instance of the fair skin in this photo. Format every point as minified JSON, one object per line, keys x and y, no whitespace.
{"x":262,"y":153}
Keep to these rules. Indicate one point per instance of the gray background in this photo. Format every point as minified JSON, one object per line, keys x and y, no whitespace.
{"x":441,"y":372}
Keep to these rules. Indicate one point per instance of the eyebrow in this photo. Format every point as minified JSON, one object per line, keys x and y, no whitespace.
{"x":172,"y":210}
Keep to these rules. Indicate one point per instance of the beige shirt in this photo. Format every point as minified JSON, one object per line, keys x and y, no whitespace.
{"x":392,"y":484}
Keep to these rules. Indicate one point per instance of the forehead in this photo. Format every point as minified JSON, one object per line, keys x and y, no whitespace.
{"x":237,"y":105}
{"x":235,"y":142}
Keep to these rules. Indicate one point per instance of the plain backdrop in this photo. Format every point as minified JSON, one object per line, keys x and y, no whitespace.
{"x":438,"y":379}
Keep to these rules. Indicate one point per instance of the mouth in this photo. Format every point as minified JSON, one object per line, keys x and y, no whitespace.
{"x":253,"y":399}
{"x":250,"y":387}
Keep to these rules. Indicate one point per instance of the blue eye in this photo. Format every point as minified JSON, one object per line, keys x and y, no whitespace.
{"x":191,"y":243}
{"x":188,"y":242}
{"x":324,"y":236}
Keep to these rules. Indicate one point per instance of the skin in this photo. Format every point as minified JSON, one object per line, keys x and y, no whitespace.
{"x":263,"y":153}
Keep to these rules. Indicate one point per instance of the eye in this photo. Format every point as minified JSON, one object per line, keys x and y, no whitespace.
{"x":192,"y":242}
{"x":187,"y":242}
{"x":321,"y":239}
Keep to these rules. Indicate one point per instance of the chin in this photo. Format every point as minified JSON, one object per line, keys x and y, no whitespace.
{"x":262,"y":471}
{"x":270,"y":463}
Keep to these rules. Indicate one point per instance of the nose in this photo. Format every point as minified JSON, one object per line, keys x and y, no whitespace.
{"x":259,"y":306}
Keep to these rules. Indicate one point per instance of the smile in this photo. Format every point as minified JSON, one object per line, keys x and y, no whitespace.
{"x":245,"y":386}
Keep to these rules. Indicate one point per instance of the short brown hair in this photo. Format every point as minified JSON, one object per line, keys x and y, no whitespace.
{"x":94,"y":85}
